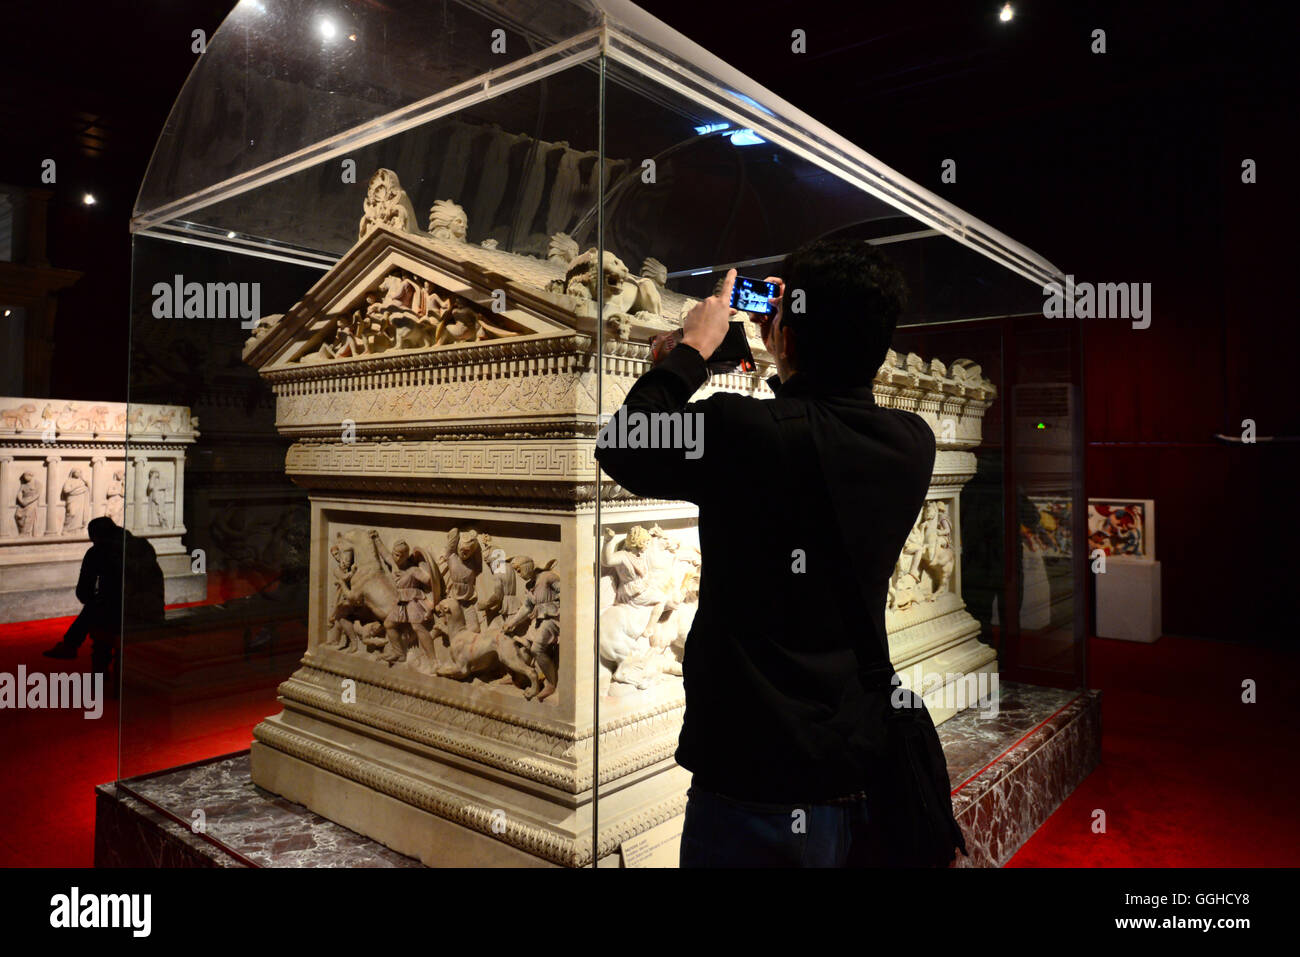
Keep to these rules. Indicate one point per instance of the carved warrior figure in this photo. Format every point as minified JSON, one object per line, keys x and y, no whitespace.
{"x":413,"y":580}
{"x":928,"y":559}
{"x":468,"y":613}
{"x":461,"y":322}
{"x":27,"y":504}
{"x":447,"y":220}
{"x":386,"y":205}
{"x":76,"y":498}
{"x":404,"y":312}
{"x":676,"y":572}
{"x":344,"y":631}
{"x":535,"y":624}
{"x":638,"y":644}
{"x":940,"y":555}
{"x":401,"y":315}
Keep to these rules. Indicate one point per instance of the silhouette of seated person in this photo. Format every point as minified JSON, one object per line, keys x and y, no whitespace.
{"x":121,"y":584}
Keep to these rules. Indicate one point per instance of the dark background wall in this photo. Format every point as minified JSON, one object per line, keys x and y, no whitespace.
{"x":1123,"y":166}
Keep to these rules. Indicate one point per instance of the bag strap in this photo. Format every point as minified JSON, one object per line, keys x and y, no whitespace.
{"x":798,"y":444}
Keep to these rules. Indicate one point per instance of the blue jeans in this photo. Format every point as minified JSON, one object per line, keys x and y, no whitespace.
{"x":722,"y":832}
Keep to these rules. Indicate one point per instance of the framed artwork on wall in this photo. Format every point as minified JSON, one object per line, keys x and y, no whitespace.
{"x":1123,"y":528}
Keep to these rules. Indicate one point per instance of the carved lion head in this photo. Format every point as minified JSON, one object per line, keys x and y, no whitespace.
{"x":580,"y":278}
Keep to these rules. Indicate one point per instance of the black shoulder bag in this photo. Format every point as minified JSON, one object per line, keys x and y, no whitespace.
{"x":909,"y":800}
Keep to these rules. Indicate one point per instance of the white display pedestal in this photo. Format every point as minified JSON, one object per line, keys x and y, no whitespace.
{"x":1128,"y":601}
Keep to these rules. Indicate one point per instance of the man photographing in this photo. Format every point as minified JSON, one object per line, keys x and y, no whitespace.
{"x":796,"y":557}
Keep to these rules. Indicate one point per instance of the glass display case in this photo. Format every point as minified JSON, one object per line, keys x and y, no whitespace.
{"x":401,"y":262}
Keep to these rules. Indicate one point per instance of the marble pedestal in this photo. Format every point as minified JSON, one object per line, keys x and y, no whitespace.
{"x":1128,"y":601}
{"x":1009,"y":772}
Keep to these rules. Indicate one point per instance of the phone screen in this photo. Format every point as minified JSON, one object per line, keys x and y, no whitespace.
{"x":751,"y":295}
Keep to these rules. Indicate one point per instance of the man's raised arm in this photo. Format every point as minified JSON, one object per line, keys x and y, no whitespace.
{"x":654,"y":445}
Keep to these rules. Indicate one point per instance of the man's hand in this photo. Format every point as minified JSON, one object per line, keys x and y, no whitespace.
{"x":767,"y":323}
{"x":706,"y":324}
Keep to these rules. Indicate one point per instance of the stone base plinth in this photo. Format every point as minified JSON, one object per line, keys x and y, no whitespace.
{"x":1009,"y":770}
{"x":446,"y":810}
{"x":48,"y":589}
{"x":937,"y":653}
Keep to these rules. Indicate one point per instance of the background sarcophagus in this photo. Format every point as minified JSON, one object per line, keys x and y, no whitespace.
{"x":458,"y":700}
{"x":64,"y":463}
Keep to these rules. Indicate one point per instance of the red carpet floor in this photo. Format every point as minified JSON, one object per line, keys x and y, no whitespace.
{"x":52,"y":759}
{"x":1189,"y":774}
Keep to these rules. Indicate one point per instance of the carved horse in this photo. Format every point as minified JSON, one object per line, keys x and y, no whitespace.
{"x":623,"y":649}
{"x":373,"y":590}
{"x":19,"y":417}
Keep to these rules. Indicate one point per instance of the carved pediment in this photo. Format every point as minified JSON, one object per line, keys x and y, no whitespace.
{"x":404,"y":312}
{"x":407,"y":293}
{"x":401,"y":290}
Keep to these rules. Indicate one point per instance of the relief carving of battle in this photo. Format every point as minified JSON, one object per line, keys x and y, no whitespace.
{"x":465,"y":611}
{"x":924,"y":570}
{"x":649,"y":593}
{"x":403,"y":312}
{"x":454,"y":611}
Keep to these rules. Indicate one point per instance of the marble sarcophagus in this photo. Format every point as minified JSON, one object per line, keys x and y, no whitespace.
{"x":442,"y":399}
{"x":64,"y":463}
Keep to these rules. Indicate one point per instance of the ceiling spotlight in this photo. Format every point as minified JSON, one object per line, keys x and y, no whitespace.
{"x":88,"y":199}
{"x":8,"y":313}
{"x":327,"y":28}
{"x":230,"y":235}
{"x":1007,"y":13}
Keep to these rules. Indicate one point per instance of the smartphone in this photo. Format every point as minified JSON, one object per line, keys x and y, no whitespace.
{"x":752,"y":296}
{"x":734,"y":354}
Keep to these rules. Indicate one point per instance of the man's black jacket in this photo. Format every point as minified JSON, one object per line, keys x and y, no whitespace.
{"x":122,"y":570}
{"x":770,"y":670}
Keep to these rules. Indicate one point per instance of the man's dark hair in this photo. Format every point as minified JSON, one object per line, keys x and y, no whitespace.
{"x":852,"y":299}
{"x":104,"y":529}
